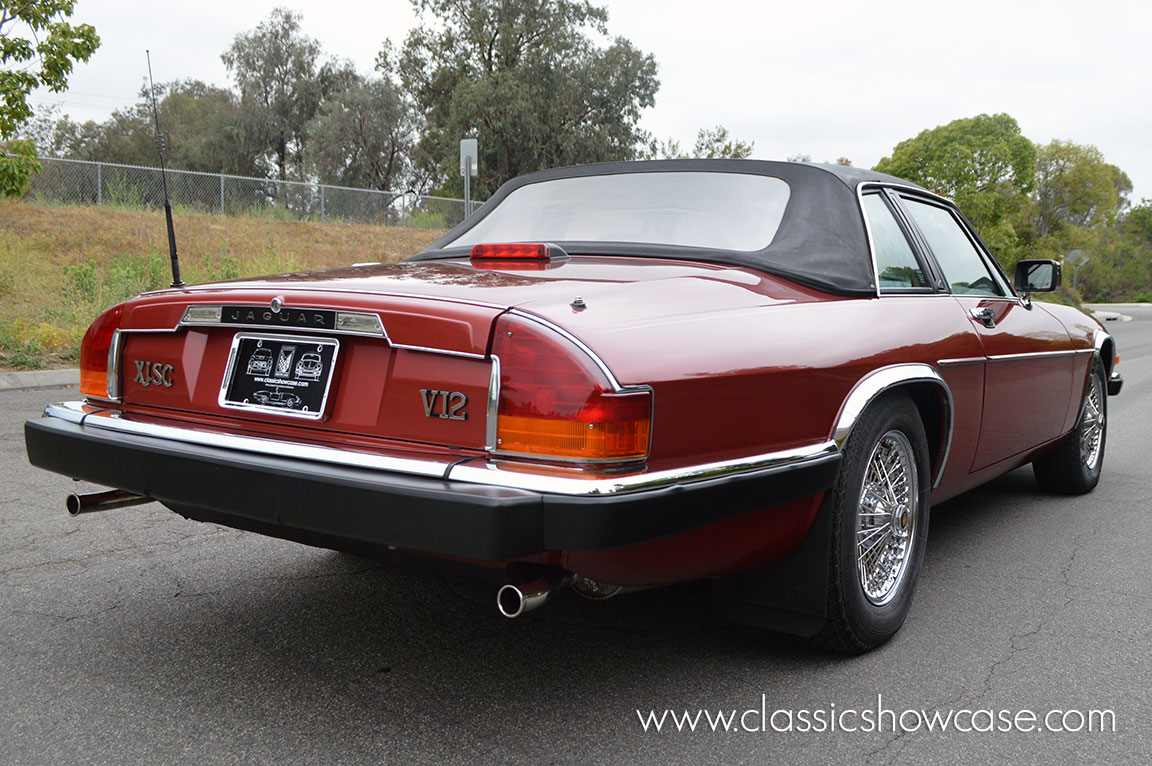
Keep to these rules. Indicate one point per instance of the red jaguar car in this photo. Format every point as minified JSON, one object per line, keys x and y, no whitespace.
{"x":613,"y":377}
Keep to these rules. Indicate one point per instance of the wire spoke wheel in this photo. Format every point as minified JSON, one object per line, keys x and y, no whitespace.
{"x":886,"y":517}
{"x":880,"y":518}
{"x":1074,"y":466}
{"x":1092,"y":420}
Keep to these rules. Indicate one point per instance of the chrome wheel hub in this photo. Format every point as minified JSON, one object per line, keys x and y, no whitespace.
{"x":1092,"y":423}
{"x":886,"y":517}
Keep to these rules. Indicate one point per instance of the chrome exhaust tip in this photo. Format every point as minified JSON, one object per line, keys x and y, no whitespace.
{"x":515,"y":600}
{"x":90,"y":502}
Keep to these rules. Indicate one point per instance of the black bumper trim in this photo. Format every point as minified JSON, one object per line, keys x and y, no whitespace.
{"x":389,"y":508}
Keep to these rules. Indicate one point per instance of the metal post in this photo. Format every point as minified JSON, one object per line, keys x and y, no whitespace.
{"x":99,"y":185}
{"x":321,"y":204}
{"x":221,"y":195}
{"x":467,"y":187}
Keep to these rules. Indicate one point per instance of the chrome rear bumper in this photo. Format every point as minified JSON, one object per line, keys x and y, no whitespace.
{"x":476,"y":508}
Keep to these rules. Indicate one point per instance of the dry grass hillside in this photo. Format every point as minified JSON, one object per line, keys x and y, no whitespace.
{"x":60,"y":266}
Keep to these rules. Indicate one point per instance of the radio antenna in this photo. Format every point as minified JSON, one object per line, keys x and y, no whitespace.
{"x":162,"y":149}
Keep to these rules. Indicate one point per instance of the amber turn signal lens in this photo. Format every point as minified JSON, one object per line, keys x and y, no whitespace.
{"x":94,"y":353}
{"x":622,"y":435}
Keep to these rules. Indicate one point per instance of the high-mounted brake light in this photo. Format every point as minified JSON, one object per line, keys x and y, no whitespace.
{"x":555,"y":402}
{"x":517,"y":252}
{"x":95,"y":352}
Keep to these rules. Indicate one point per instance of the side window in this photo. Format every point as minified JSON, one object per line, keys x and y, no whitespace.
{"x":896,"y":264}
{"x":959,"y":259}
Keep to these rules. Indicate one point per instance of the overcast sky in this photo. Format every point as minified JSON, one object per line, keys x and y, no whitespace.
{"x":827,"y":78}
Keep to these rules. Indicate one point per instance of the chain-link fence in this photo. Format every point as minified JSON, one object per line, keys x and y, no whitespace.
{"x":78,"y":182}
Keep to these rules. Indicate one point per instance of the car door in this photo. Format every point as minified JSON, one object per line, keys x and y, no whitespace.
{"x":1028,"y":354}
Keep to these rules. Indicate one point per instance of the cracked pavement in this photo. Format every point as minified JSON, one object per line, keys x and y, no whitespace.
{"x":135,"y":635}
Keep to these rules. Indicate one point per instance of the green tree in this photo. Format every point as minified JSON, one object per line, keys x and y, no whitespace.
{"x":983,"y":163}
{"x":525,"y":78}
{"x":368,"y":134}
{"x":282,"y":83}
{"x":45,"y":60}
{"x":716,"y":143}
{"x":1076,"y":187}
{"x":205,"y":129}
{"x":201,"y":122}
{"x":1137,"y":222}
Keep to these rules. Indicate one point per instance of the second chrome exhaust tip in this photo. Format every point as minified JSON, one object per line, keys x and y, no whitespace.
{"x":515,"y":600}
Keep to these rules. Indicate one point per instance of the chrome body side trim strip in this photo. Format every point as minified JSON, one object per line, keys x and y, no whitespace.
{"x":1039,"y":354}
{"x":440,"y":351}
{"x":479,"y":470}
{"x":875,"y":383}
{"x":960,"y":361}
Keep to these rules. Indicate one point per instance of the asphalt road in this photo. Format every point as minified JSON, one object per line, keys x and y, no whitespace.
{"x":136,"y":636}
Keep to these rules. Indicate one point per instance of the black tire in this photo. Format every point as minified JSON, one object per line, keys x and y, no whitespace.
{"x":1074,"y":467}
{"x":862,"y":615}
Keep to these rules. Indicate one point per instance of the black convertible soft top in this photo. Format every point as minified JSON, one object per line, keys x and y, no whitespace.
{"x":820,"y":241}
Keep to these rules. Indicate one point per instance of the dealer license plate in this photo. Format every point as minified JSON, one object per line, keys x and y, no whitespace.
{"x":281,"y":374}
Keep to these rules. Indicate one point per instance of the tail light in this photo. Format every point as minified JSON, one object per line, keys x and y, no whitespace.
{"x":555,"y":402}
{"x":96,"y":351}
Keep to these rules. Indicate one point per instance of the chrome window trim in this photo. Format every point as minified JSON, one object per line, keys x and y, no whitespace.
{"x":987,"y":260}
{"x":884,"y":379}
{"x":864,"y":187}
{"x":479,"y":470}
{"x":868,"y":233}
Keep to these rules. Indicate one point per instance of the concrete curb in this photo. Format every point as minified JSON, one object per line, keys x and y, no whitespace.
{"x":1110,"y":316}
{"x":40,"y":379}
